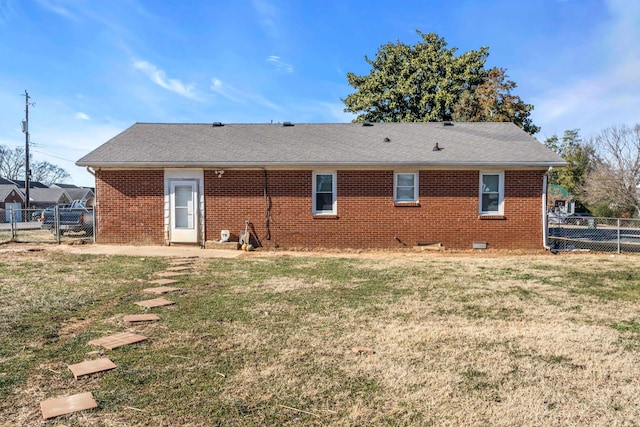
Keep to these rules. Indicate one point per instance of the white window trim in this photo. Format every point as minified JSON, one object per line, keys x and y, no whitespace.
{"x":416,"y":191}
{"x":334,"y":190}
{"x":500,"y":210}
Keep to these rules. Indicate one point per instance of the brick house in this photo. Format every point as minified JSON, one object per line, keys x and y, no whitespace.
{"x":11,"y":200}
{"x":348,"y":185}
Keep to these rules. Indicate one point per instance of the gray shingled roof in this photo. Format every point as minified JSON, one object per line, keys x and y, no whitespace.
{"x":49,"y":196}
{"x":326,"y":144}
{"x":6,"y":189}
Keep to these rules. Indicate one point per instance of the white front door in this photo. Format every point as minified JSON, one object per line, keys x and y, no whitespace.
{"x":183,"y":196}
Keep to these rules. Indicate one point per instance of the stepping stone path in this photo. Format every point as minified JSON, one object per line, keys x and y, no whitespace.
{"x":134,"y":318}
{"x":179,"y":268}
{"x":91,"y":367}
{"x":160,"y":290}
{"x":164,"y":282}
{"x":171,"y":273}
{"x":156,"y":302}
{"x":66,"y":405}
{"x":69,"y":404}
{"x":118,"y":340}
{"x":182,"y":261}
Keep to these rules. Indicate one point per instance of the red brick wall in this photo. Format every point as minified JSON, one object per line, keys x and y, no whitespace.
{"x":367,"y":216}
{"x":131,"y":209}
{"x":130,"y":206}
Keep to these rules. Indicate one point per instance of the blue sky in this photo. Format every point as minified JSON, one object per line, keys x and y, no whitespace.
{"x":93,"y":68}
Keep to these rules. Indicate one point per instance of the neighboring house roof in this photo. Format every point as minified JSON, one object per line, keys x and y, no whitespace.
{"x":479,"y":144}
{"x":32,"y":184}
{"x":63,"y":185}
{"x":78,"y":193}
{"x":49,"y":195}
{"x":6,"y":189}
{"x":5,"y":181}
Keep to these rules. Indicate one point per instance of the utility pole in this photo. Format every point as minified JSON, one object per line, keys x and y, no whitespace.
{"x":25,"y":130}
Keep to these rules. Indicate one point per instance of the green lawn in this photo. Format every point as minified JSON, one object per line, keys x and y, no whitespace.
{"x":267,"y":340}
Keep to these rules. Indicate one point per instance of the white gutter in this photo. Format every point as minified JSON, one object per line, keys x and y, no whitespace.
{"x":545,"y":225}
{"x":381,"y":165}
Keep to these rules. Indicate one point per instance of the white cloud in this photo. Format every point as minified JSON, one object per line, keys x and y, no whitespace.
{"x":6,"y":10}
{"x":57,"y":7}
{"x":280,"y":65}
{"x":235,"y":95}
{"x":160,"y":78}
{"x":82,"y":116}
{"x":606,"y":95}
{"x":268,"y":14}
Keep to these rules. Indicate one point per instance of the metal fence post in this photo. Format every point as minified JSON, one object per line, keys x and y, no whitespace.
{"x":56,"y":222}
{"x":618,"y":235}
{"x":12,"y":221}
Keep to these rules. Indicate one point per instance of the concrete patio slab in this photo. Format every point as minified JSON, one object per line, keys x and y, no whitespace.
{"x":164,"y":282}
{"x":91,"y":367}
{"x":118,"y":340}
{"x":67,"y":405}
{"x":156,"y":302}
{"x":135,"y":318}
{"x":160,"y":290}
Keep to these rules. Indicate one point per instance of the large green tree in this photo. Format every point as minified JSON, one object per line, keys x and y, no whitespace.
{"x":580,"y":157}
{"x":428,"y":82}
{"x":493,"y":101}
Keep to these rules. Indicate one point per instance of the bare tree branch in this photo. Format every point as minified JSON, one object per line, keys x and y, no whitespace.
{"x":615,"y":177}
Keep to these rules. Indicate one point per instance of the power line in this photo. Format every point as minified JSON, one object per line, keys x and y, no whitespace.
{"x":53,"y":155}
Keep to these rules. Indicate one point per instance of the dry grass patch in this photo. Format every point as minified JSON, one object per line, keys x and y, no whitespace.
{"x":457,"y":340}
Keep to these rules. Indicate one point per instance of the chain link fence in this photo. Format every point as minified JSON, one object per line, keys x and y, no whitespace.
{"x":50,"y":225}
{"x":594,"y":234}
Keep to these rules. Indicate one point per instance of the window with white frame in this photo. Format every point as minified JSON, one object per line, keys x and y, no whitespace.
{"x":491,"y":193}
{"x":324,"y":193}
{"x":405,"y":188}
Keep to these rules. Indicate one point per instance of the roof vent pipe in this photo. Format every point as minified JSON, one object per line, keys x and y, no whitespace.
{"x":436,"y":147}
{"x":287,"y":124}
{"x":386,"y":139}
{"x":217,"y":124}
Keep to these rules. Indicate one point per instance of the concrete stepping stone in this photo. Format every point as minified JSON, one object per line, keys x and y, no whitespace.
{"x":156,"y":302}
{"x":182,"y":261}
{"x":118,"y":340}
{"x":180,"y":268}
{"x":160,"y":290}
{"x":135,"y":318}
{"x":67,"y":405}
{"x":164,"y":282}
{"x":91,"y":367}
{"x":171,"y":273}
{"x":181,"y":264}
